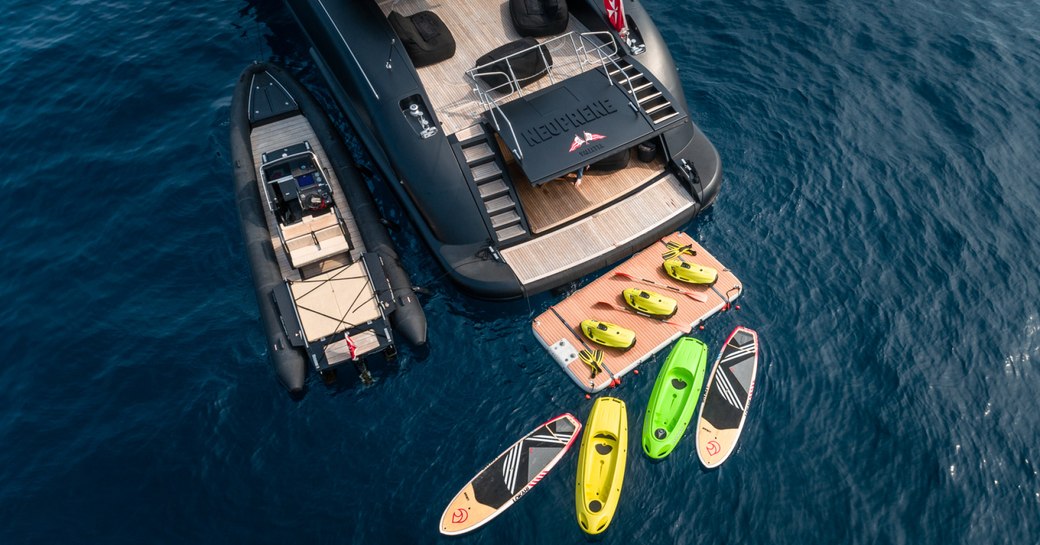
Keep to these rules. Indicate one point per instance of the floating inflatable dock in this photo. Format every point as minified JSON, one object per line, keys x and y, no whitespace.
{"x":557,"y":328}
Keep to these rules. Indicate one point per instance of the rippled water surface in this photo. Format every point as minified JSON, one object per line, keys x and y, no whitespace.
{"x":880,"y":204}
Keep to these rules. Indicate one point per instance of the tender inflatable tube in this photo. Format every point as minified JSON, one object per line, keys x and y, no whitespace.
{"x":288,"y":362}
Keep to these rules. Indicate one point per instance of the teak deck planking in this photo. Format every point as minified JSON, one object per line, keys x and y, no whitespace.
{"x":478,"y":26}
{"x":280,"y":134}
{"x":559,"y":201}
{"x":598,"y":232}
{"x":651,"y":335}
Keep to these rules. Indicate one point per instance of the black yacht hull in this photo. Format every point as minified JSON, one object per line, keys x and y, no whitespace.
{"x":371,"y":76}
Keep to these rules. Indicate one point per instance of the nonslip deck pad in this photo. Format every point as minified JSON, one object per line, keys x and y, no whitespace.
{"x":726,"y":398}
{"x":510,"y":476}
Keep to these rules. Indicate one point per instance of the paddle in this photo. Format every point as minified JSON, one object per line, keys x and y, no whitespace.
{"x":692,"y":295}
{"x":684,"y":329}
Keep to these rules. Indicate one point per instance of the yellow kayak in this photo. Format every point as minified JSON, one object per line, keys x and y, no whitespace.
{"x":601,"y":464}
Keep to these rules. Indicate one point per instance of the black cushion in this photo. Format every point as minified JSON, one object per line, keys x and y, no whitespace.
{"x":528,"y":67}
{"x":613,"y":162}
{"x":425,"y":37}
{"x":539,"y":17}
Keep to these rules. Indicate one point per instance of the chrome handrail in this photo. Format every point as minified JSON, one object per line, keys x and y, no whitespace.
{"x":516,"y":151}
{"x":603,"y":62}
{"x":577,"y":44}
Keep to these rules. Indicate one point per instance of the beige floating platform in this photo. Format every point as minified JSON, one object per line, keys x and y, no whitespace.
{"x":557,"y":328}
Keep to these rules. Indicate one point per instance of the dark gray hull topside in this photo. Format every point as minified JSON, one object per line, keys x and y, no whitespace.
{"x":351,"y":45}
{"x":408,"y":318}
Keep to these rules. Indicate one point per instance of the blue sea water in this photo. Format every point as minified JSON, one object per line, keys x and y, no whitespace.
{"x":880,"y":204}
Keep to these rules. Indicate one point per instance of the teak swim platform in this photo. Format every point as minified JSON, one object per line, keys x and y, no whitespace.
{"x":557,"y":328}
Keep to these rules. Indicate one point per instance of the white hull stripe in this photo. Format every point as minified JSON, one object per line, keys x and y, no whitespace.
{"x":516,"y":467}
{"x":505,"y":465}
{"x":511,"y":464}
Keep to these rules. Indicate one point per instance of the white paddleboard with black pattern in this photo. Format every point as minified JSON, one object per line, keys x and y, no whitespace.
{"x":510,"y":475}
{"x":726,"y":397}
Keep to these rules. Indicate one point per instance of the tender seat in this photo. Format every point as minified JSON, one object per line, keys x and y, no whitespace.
{"x":314,"y":239}
{"x":539,"y":17}
{"x":528,"y":67}
{"x":425,"y":37}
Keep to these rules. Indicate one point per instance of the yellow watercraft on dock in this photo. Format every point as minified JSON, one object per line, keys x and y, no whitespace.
{"x":691,"y":273}
{"x":650,"y":304}
{"x":601,"y":464}
{"x":608,"y":334}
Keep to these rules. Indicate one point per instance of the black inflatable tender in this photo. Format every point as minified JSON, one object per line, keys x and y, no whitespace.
{"x":539,"y":17}
{"x":528,"y":67}
{"x":425,"y":37}
{"x":278,"y":96}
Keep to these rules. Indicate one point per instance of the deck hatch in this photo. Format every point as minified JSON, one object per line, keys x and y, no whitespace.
{"x":558,"y":132}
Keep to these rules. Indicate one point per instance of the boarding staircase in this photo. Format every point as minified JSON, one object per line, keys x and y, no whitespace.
{"x":650,"y":99}
{"x":492,"y":184}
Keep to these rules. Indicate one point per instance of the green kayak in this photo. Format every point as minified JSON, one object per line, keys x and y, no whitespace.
{"x":674,"y":397}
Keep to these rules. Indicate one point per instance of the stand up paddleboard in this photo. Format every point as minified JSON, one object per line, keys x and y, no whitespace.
{"x":726,"y":398}
{"x":510,"y":476}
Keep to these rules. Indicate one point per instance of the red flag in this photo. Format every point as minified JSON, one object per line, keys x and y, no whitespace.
{"x":351,"y":346}
{"x":615,"y":13}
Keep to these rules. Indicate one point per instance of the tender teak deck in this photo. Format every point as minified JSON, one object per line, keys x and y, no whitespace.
{"x":557,"y":328}
{"x":287,"y":132}
{"x":334,"y":301}
{"x":333,"y":292}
